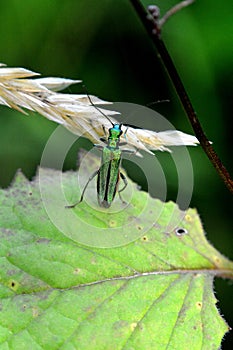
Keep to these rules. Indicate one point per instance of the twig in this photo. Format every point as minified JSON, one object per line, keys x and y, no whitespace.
{"x":153,"y":24}
{"x":173,"y":10}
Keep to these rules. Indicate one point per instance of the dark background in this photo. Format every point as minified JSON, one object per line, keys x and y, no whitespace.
{"x":104,"y":44}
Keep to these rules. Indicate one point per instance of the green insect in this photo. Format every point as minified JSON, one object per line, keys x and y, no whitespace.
{"x":108,"y":175}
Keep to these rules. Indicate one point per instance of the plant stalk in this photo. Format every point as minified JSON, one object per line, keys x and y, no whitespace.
{"x":154,"y":31}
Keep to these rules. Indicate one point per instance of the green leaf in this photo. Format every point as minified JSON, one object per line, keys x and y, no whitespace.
{"x":61,"y":288}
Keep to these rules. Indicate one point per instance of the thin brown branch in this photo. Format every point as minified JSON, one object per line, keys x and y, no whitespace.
{"x":152,"y":24}
{"x":173,"y":10}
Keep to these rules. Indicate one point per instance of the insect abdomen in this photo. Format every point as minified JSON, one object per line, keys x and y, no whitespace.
{"x":108,"y":177}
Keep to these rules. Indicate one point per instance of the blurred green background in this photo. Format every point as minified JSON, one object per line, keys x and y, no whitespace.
{"x":104,"y":44}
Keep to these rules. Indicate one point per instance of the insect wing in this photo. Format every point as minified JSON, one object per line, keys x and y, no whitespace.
{"x":108,"y":176}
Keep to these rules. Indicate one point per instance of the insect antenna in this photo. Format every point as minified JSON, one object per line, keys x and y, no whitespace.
{"x":156,"y":102}
{"x":97,"y":108}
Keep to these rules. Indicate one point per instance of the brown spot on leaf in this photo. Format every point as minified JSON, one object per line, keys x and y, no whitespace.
{"x":35,"y":312}
{"x":188,"y":218}
{"x":13,"y":284}
{"x":133,"y":325}
{"x":112,"y":223}
{"x":217,"y":260}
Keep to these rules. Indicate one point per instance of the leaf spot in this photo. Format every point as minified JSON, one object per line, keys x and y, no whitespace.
{"x":144,"y":238}
{"x":199,"y":304}
{"x":133,"y":326}
{"x":112,"y":223}
{"x":217,"y":260}
{"x":14,"y":285}
{"x":180,"y":231}
{"x":24,"y":307}
{"x":35,"y":312}
{"x":188,"y":218}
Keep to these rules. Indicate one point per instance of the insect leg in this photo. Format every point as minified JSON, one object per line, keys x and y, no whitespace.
{"x":99,"y":146}
{"x":129,"y":151}
{"x":124,"y":187}
{"x":125,"y":133}
{"x":104,"y":139}
{"x":85,"y":187}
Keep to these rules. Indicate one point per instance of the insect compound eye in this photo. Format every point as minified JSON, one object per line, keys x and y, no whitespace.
{"x":180,"y":231}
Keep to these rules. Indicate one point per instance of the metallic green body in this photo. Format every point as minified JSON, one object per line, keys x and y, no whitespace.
{"x":109,"y":172}
{"x":108,"y":176}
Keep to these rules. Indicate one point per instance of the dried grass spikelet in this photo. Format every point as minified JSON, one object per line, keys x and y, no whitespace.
{"x":22,"y":90}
